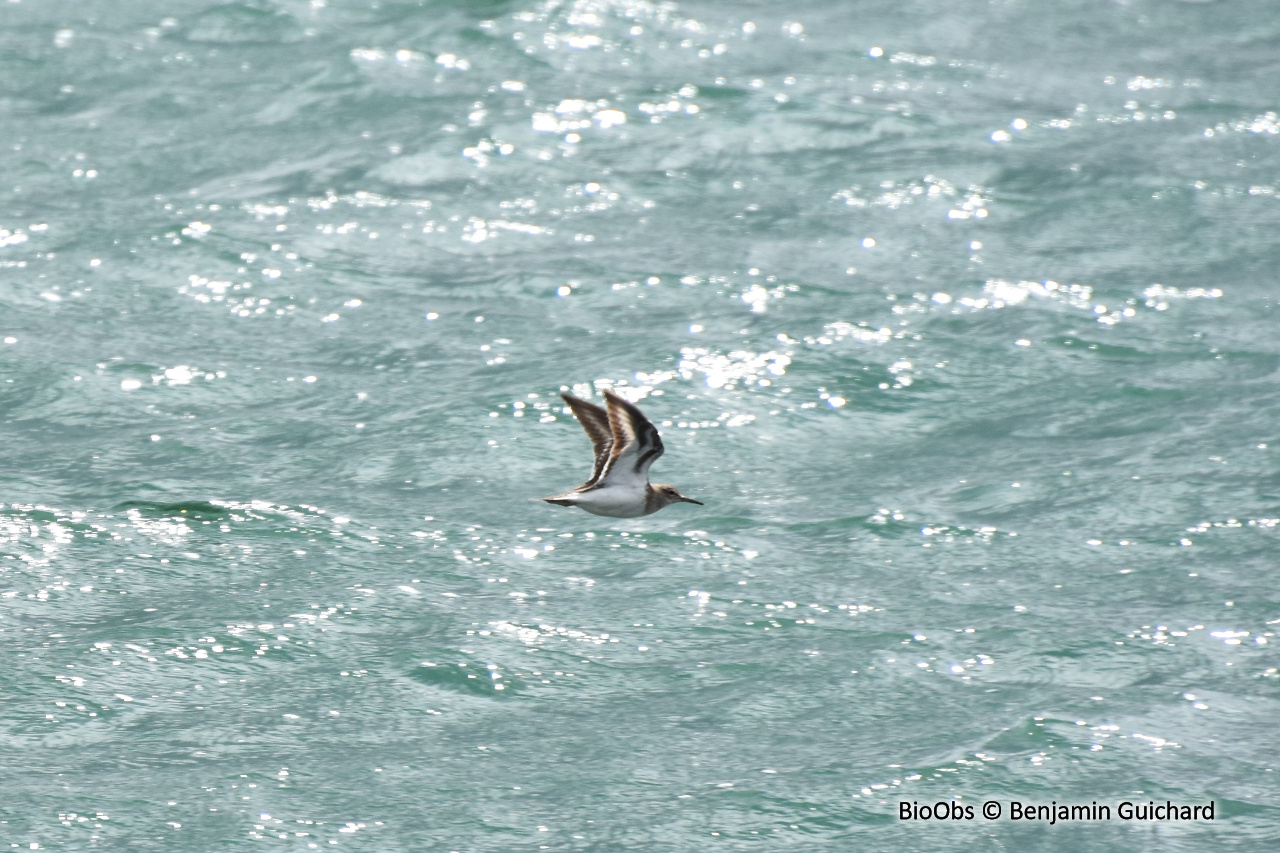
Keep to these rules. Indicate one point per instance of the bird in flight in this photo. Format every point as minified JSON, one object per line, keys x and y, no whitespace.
{"x":625,"y":444}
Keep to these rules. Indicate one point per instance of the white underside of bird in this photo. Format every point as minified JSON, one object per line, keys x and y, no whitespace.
{"x":612,"y":501}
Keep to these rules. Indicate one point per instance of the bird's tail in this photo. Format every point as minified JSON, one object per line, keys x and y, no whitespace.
{"x":558,"y":500}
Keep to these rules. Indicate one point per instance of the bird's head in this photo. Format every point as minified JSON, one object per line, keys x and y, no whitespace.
{"x":671,"y":495}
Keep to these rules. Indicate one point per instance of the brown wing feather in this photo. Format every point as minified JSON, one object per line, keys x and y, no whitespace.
{"x":632,"y":433}
{"x":595,"y":421}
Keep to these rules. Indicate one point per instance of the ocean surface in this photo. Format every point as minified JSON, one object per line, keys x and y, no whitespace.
{"x":960,"y":317}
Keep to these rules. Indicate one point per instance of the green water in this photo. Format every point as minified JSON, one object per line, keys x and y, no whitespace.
{"x":959,"y":317}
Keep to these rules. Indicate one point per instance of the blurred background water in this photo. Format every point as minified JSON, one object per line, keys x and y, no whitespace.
{"x":959,"y":316}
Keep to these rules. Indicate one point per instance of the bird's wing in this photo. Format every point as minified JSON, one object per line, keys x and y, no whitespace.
{"x":636,"y":444}
{"x":595,"y":421}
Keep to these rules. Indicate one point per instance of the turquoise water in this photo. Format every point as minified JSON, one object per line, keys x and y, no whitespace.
{"x":959,"y":317}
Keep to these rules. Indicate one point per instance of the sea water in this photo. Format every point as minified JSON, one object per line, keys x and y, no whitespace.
{"x":959,"y":317}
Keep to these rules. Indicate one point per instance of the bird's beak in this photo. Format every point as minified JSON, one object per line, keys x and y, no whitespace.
{"x":691,"y":501}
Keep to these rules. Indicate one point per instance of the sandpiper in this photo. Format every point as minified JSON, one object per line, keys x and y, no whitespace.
{"x":625,"y":444}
